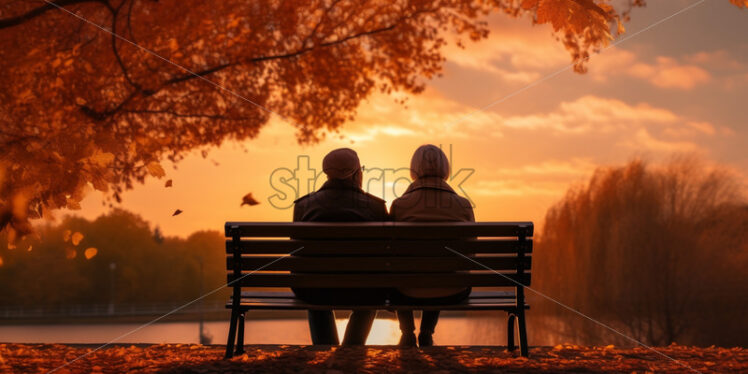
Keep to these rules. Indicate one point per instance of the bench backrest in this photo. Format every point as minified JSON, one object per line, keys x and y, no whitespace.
{"x":378,"y":254}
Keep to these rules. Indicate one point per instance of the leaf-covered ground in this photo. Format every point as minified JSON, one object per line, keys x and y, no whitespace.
{"x":185,"y":358}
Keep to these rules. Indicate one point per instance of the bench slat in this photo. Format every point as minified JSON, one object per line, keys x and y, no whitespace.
{"x":379,"y":247}
{"x":377,"y":264}
{"x":413,"y":230}
{"x":295,"y":304}
{"x":378,"y":280}
{"x":476,"y":294}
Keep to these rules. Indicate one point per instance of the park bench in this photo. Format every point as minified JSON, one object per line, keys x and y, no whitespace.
{"x":262,"y":257}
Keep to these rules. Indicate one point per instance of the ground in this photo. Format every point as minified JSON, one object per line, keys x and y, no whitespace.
{"x":187,"y":358}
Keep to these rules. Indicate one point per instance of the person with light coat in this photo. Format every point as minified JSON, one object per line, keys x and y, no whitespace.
{"x":428,"y":199}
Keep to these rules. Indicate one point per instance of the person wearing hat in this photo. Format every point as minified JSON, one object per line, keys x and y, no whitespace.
{"x":340,"y":199}
{"x":428,"y":199}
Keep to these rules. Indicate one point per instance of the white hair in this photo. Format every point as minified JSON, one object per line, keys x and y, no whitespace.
{"x":429,"y":161}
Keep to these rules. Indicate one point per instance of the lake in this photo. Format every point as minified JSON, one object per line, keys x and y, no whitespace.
{"x":477,"y":330}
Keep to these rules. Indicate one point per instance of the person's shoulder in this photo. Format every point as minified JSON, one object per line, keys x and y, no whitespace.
{"x":374,"y":199}
{"x":304,"y":198}
{"x":463,"y":202}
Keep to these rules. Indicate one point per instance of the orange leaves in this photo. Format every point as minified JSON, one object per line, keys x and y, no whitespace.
{"x":740,"y":3}
{"x":90,"y":253}
{"x":72,"y":237}
{"x":207,"y":359}
{"x":155,"y":169}
{"x":102,"y":158}
{"x":248,"y":199}
{"x":76,"y":238}
{"x":70,"y":253}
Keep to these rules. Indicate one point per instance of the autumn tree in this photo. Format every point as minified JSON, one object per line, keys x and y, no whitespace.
{"x":656,"y":251}
{"x":97,"y":92}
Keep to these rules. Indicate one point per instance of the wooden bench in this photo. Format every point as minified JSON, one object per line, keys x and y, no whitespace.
{"x":376,"y":255}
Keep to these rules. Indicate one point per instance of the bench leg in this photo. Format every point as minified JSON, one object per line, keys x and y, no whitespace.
{"x":510,"y":333}
{"x":240,"y":336}
{"x":232,"y":334}
{"x":523,"y":346}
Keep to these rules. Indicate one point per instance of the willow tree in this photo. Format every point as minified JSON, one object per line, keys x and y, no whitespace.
{"x":655,"y":251}
{"x":99,"y":91}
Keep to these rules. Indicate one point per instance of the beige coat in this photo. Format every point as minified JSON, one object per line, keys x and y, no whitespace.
{"x":431,"y":199}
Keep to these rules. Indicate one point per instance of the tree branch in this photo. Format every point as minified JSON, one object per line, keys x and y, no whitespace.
{"x":15,"y":21}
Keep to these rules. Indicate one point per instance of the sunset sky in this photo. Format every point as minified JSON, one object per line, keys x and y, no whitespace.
{"x":502,"y":107}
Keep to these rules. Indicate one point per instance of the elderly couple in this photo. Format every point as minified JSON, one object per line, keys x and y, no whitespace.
{"x":428,"y":199}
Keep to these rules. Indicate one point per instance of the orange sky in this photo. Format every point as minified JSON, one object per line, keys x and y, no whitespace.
{"x":678,"y":87}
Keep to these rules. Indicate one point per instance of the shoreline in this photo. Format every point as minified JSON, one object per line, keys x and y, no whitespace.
{"x":189,"y":317}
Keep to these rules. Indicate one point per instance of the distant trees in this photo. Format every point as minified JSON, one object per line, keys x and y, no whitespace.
{"x":659,"y":252}
{"x":148,"y":266}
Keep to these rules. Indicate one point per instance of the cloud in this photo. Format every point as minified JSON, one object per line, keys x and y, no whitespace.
{"x":426,"y":115}
{"x":373,"y":132}
{"x":664,"y":72}
{"x":717,"y":60}
{"x":668,"y":73}
{"x":644,"y":139}
{"x":551,"y":168}
{"x":591,"y":114}
{"x":516,"y":188}
{"x":514,"y":51}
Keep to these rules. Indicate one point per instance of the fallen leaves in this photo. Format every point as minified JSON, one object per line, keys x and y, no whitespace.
{"x":76,"y":238}
{"x":72,"y":237}
{"x":90,"y":253}
{"x":193,"y":358}
{"x":248,"y":199}
{"x":70,"y":253}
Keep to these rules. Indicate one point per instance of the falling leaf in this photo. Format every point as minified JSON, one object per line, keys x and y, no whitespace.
{"x":90,"y":253}
{"x":176,"y":213}
{"x":76,"y":239}
{"x":168,"y":183}
{"x":155,"y":169}
{"x":1,"y":261}
{"x":80,"y":101}
{"x":66,"y":235}
{"x":249,"y":200}
{"x":11,"y":246}
{"x":29,"y":248}
{"x":70,"y":253}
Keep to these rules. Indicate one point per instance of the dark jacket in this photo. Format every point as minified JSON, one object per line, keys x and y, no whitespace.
{"x":339,"y":201}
